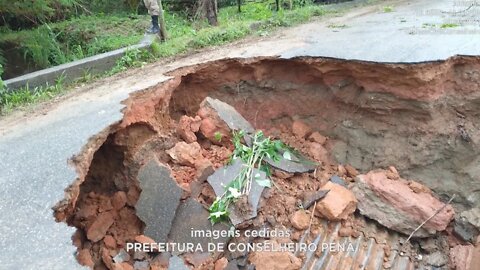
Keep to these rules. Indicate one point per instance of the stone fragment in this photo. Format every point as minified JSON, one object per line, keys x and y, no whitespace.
{"x":197,"y":258}
{"x":192,"y":215}
{"x":472,"y":216}
{"x":225,"y":175}
{"x":219,"y":119}
{"x":318,"y":152}
{"x":337,"y":180}
{"x":310,"y":197}
{"x":418,"y":188}
{"x":318,"y":138}
{"x":85,"y":258}
{"x":100,"y":226}
{"x":465,"y":230}
{"x":187,"y":126}
{"x":141,"y":265}
{"x":297,"y":164}
{"x":221,"y":264}
{"x":119,"y":200}
{"x":267,"y":260}
{"x":144,"y":239}
{"x":338,"y":204}
{"x":351,"y":171}
{"x":461,"y":257}
{"x":437,"y":259}
{"x":187,"y":154}
{"x":204,"y":170}
{"x":300,"y":129}
{"x":110,"y":242}
{"x":300,"y":220}
{"x":176,"y":263}
{"x":341,"y":170}
{"x":396,"y":206}
{"x":121,"y":257}
{"x":158,"y":200}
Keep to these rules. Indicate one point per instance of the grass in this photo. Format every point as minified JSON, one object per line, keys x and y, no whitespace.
{"x":449,"y":25}
{"x":388,"y":9}
{"x":58,"y":43}
{"x":10,"y":100}
{"x":86,"y":36}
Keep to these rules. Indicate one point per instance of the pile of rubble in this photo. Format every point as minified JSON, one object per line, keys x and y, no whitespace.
{"x":314,"y":200}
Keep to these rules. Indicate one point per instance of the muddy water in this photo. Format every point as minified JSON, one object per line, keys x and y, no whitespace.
{"x":421,"y":118}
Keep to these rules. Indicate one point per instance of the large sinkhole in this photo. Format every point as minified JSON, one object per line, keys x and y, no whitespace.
{"x":419,"y":122}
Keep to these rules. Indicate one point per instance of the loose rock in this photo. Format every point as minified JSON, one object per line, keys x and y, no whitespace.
{"x":100,"y":226}
{"x":318,"y":138}
{"x":337,"y":204}
{"x":396,"y":206}
{"x":267,"y":260}
{"x":300,"y":129}
{"x":187,"y":126}
{"x":461,"y":257}
{"x":300,"y":220}
{"x":187,"y":154}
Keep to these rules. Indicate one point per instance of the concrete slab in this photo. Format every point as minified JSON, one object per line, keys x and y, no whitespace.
{"x":158,"y":200}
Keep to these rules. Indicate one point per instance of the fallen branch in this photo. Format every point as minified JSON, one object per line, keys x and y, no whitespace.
{"x":311,"y":218}
{"x":428,"y":219}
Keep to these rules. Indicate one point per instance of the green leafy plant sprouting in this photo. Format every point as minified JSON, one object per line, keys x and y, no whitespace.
{"x":253,"y":156}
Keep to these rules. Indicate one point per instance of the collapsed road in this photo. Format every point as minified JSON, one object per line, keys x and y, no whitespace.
{"x":388,"y":145}
{"x":34,"y":148}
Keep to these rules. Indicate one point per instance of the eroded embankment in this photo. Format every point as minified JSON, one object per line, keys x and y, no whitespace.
{"x":421,"y":118}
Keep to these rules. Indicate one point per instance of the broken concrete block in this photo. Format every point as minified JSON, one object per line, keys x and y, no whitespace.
{"x":191,"y":223}
{"x":338,"y":204}
{"x":310,"y":197}
{"x":187,"y":154}
{"x":176,"y":263}
{"x":158,"y":200}
{"x":396,"y":206}
{"x":219,"y":119}
{"x":223,"y":176}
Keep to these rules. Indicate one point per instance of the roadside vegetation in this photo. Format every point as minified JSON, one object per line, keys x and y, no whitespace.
{"x":56,"y":38}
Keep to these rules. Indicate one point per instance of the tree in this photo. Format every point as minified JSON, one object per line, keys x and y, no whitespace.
{"x":161,"y":17}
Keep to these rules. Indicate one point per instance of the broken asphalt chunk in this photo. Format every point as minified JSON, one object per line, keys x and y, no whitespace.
{"x":158,"y":200}
{"x":310,"y":197}
{"x":338,"y":180}
{"x":297,"y":164}
{"x":228,"y":114}
{"x":225,"y":175}
{"x":191,"y":225}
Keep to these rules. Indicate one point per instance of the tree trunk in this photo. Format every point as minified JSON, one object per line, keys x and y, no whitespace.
{"x":277,"y":3}
{"x":216,"y":7}
{"x":161,"y":20}
{"x":239,"y":4}
{"x":210,"y":12}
